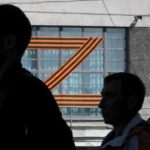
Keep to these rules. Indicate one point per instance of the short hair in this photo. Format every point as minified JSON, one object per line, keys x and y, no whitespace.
{"x":14,"y":21}
{"x":131,"y":85}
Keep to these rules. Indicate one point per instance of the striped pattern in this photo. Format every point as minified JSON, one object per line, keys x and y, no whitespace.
{"x":56,"y":43}
{"x":82,"y":100}
{"x":72,"y":63}
{"x":84,"y":47}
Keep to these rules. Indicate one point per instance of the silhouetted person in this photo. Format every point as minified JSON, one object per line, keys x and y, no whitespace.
{"x":122,"y":98}
{"x":148,"y":120}
{"x":29,"y":115}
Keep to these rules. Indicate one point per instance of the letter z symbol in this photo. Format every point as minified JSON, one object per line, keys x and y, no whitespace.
{"x":84,"y":47}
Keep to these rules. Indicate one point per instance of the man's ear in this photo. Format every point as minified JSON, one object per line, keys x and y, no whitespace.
{"x":132,"y":102}
{"x":9,"y":42}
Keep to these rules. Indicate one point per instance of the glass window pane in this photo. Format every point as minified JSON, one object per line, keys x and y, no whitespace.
{"x":48,"y":65}
{"x":93,"y":78}
{"x":93,"y":65}
{"x":72,"y":32}
{"x":97,"y":54}
{"x":115,"y":44}
{"x":73,"y":78}
{"x":82,"y":112}
{"x":56,"y":90}
{"x":34,"y":31}
{"x":91,"y":89}
{"x":66,"y":54}
{"x":115,"y":49}
{"x":49,"y":54}
{"x":30,"y":64}
{"x":93,"y":32}
{"x":48,"y":31}
{"x":116,"y":55}
{"x":72,"y":88}
{"x":115,"y":66}
{"x":108,"y":57}
{"x":30,"y":54}
{"x":43,"y":76}
{"x":115,"y":32}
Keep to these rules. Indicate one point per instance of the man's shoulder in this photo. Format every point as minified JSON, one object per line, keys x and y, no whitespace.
{"x":141,"y":127}
{"x":28,"y":82}
{"x":29,"y":78}
{"x":142,"y":131}
{"x":35,"y":88}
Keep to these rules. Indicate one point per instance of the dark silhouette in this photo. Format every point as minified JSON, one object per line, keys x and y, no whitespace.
{"x":29,"y":114}
{"x":122,"y":97}
{"x":148,"y":120}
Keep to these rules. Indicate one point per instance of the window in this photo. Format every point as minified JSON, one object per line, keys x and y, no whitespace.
{"x":109,"y":57}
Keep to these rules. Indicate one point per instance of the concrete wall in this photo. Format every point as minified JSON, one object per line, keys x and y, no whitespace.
{"x":85,"y":12}
{"x":139,"y":60}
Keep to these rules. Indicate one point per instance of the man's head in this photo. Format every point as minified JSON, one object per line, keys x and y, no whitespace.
{"x":15,"y":30}
{"x":122,"y":97}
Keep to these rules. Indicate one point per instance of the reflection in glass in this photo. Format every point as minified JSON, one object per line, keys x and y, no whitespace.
{"x":72,"y":32}
{"x":115,"y":32}
{"x":48,"y":65}
{"x":116,"y":55}
{"x":115,"y":66}
{"x":116,"y":44}
{"x":30,"y":64}
{"x":30,"y":54}
{"x":43,"y":76}
{"x":93,"y":32}
{"x":48,"y":31}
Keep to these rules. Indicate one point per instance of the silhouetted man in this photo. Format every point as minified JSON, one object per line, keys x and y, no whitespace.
{"x":122,"y":98}
{"x":29,"y":115}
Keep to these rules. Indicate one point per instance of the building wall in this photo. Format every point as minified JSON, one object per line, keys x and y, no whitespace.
{"x":102,"y":13}
{"x":85,"y":12}
{"x":139,"y":60}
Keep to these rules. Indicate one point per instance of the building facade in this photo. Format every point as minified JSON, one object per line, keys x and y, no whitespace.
{"x":60,"y":30}
{"x":85,"y":79}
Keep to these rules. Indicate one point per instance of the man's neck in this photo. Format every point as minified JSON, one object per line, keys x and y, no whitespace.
{"x":5,"y":67}
{"x":118,"y":129}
